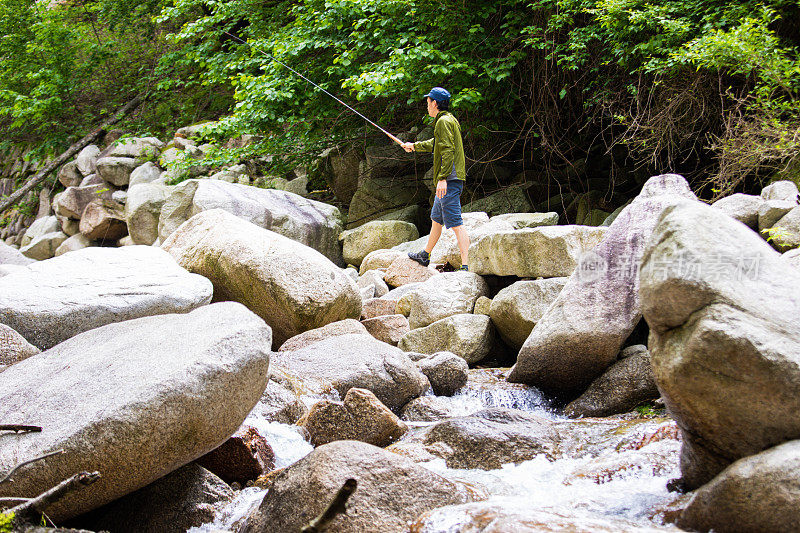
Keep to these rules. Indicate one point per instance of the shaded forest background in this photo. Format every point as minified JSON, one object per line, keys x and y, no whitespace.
{"x":576,"y":99}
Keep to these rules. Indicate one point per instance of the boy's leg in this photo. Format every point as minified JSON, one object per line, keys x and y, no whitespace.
{"x":433,"y":238}
{"x":463,"y":243}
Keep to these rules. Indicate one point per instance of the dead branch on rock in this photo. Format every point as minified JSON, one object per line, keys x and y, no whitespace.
{"x":39,"y":458}
{"x":71,"y":151}
{"x":31,"y":510}
{"x":336,"y":507}
{"x":19,"y":428}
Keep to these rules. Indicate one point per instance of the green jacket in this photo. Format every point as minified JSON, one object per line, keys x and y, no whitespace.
{"x":447,"y":147}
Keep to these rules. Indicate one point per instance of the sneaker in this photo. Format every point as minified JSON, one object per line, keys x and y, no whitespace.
{"x":420,"y":257}
{"x":464,"y":268}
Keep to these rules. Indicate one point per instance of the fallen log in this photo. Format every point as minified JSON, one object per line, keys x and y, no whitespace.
{"x":17,"y":195}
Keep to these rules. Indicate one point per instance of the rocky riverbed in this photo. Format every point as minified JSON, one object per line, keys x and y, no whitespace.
{"x":238,"y":356}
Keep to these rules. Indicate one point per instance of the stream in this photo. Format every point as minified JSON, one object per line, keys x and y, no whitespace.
{"x":612,"y":475}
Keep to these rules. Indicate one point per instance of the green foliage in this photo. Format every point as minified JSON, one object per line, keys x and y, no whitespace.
{"x":6,"y":522}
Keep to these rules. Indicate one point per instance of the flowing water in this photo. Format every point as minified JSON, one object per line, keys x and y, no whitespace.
{"x":611,"y":476}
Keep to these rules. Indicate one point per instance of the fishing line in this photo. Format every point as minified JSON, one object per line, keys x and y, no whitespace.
{"x":270,"y":56}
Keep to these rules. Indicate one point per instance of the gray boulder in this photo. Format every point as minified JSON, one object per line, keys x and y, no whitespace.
{"x":347,"y":326}
{"x":39,"y":227}
{"x":87,"y":160}
{"x":742,"y":207}
{"x":374,"y":278}
{"x":375,"y":235}
{"x":528,"y":220}
{"x":146,"y":173}
{"x":444,"y":295}
{"x":44,"y":246}
{"x":387,"y":328}
{"x":50,"y":301}
{"x":513,"y":199}
{"x":491,"y":438}
{"x":771,"y":211}
{"x":294,"y":288}
{"x":69,"y":175}
{"x":517,"y":308}
{"x":116,"y":170}
{"x":357,"y":360}
{"x":626,"y":384}
{"x":279,"y":403}
{"x":547,"y":251}
{"x":780,"y":190}
{"x":404,"y":271}
{"x":379,"y":259}
{"x":186,"y":498}
{"x":380,"y":503}
{"x":756,"y":493}
{"x":312,"y":223}
{"x":787,"y":236}
{"x":76,"y":242}
{"x":11,"y":256}
{"x":13,"y":347}
{"x":722,"y":307}
{"x":135,"y":147}
{"x":446,"y":372}
{"x":74,"y":200}
{"x":466,"y":335}
{"x":583,"y":330}
{"x":133,"y":400}
{"x":143,"y":209}
{"x":103,"y":220}
{"x":361,"y":416}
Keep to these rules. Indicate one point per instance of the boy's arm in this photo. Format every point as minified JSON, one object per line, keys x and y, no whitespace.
{"x":424,"y":146}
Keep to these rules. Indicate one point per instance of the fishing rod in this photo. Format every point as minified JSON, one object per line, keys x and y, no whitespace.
{"x":392,"y":137}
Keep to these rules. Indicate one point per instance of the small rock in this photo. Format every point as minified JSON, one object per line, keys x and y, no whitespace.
{"x":13,"y":347}
{"x":379,"y":260}
{"x":483,"y":306}
{"x":528,"y":220}
{"x":742,"y":207}
{"x":446,"y":371}
{"x":466,"y":335}
{"x":360,"y":417}
{"x":388,"y":328}
{"x":404,"y":270}
{"x":376,"y":307}
{"x":374,"y":278}
{"x":242,"y":458}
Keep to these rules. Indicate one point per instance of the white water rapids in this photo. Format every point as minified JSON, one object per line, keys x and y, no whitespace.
{"x":613,"y":480}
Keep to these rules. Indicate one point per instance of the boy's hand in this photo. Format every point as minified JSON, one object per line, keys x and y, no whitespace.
{"x":441,"y":188}
{"x":408,"y":147}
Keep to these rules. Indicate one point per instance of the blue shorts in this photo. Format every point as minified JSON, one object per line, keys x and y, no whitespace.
{"x":447,"y":211}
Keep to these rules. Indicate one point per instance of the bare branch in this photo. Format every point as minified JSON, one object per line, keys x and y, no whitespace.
{"x":32,"y":509}
{"x":19,"y":428}
{"x":45,"y":456}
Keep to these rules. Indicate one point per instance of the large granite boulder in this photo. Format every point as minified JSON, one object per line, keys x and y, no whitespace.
{"x":74,"y":200}
{"x":626,"y":384}
{"x":76,"y":242}
{"x":143,"y":209}
{"x":50,"y":301}
{"x":69,"y":175}
{"x":466,"y":335}
{"x":476,"y":224}
{"x":446,"y":372}
{"x":528,"y":220}
{"x":517,"y":308}
{"x":147,"y":173}
{"x":391,"y":491}
{"x":13,"y":347}
{"x":375,"y":235}
{"x":357,"y":360}
{"x":787,"y":236}
{"x":404,"y":271}
{"x":136,"y":147}
{"x":722,"y":308}
{"x":183,"y":499}
{"x":116,"y":170}
{"x":294,"y":288}
{"x":546,"y":251}
{"x":379,"y":259}
{"x":86,"y":160}
{"x":44,"y":246}
{"x":491,"y":438}
{"x":103,"y":220}
{"x":387,"y":328}
{"x":742,"y":207}
{"x":583,"y":330}
{"x":756,"y":493}
{"x":133,"y":400}
{"x":39,"y":227}
{"x":444,"y":295}
{"x":312,"y":223}
{"x":347,"y":326}
{"x":783,"y":190}
{"x":11,"y":256}
{"x":513,"y":199}
{"x":361,"y":416}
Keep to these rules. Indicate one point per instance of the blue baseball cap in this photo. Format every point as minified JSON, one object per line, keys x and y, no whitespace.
{"x":439,"y":94}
